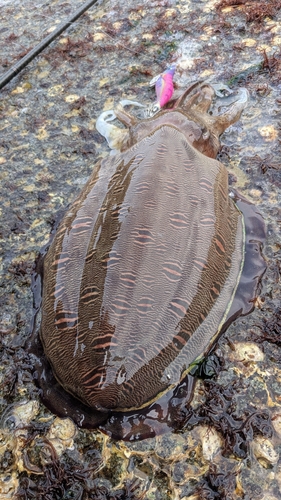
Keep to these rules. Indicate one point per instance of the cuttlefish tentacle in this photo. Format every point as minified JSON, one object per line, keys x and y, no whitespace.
{"x":114,"y":135}
{"x":202,"y":100}
{"x":235,"y":105}
{"x":124,"y":116}
{"x":180,"y":100}
{"x":199,"y":104}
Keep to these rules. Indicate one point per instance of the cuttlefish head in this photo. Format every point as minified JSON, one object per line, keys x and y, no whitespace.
{"x":190,"y":113}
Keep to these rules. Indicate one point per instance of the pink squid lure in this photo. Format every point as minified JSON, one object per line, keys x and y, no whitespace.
{"x":164,"y":86}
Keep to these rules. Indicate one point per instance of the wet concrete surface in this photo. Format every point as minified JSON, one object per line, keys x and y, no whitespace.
{"x":48,"y":146}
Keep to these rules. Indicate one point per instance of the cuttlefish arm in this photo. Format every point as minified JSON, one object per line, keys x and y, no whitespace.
{"x":114,"y":135}
{"x":234,"y":104}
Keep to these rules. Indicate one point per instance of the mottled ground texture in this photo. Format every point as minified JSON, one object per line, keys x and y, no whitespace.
{"x":230,"y":448}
